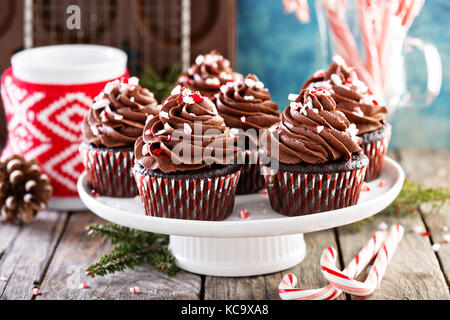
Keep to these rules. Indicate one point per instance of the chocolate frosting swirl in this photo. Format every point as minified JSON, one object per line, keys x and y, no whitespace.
{"x":246,"y":104}
{"x":351,"y":95}
{"x":187,"y":121}
{"x":311,"y":131}
{"x":118,"y":114}
{"x":209,"y":72}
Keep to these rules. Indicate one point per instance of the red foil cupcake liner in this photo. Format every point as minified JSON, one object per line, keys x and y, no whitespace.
{"x":210,"y":199}
{"x":376,"y":151}
{"x":109,"y":171}
{"x":295,"y":194}
{"x":251,"y":180}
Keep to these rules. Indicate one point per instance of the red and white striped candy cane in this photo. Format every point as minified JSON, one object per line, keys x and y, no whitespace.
{"x":348,"y":284}
{"x":287,"y":290}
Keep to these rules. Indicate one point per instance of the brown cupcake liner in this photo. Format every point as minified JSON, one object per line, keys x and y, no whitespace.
{"x":295,"y":194}
{"x":191,"y":198}
{"x":376,"y":151}
{"x":251,"y":180}
{"x":109,"y":171}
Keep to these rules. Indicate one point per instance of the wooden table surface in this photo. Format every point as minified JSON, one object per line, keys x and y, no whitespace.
{"x":52,"y":252}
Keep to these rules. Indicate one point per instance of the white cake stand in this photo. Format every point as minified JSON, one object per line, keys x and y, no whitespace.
{"x":266,"y":242}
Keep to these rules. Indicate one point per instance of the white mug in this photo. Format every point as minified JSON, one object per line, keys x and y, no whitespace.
{"x":46,"y":94}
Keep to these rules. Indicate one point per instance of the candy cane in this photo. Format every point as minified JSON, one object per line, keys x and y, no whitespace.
{"x":287,"y":289}
{"x":362,"y":289}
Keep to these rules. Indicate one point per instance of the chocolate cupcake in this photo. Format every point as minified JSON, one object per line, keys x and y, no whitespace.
{"x":246,"y":106}
{"x":321,"y":166}
{"x":208,"y":74}
{"x":110,"y":129}
{"x":360,"y":107}
{"x":185,"y":160}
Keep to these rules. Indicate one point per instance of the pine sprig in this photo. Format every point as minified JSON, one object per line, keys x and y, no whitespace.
{"x":133,"y":248}
{"x":411,"y":197}
{"x":414,"y":194}
{"x":160,"y":86}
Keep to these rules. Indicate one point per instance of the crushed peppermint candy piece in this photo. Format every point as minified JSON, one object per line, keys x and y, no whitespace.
{"x":225,"y":88}
{"x":365,"y":187}
{"x":95,"y":130}
{"x":244,"y":214}
{"x":124,"y":86}
{"x":118,"y":117}
{"x":444,"y":228}
{"x":259,"y":85}
{"x":296,"y":105}
{"x":226,"y":76}
{"x":352,"y":130}
{"x":336,"y":79}
{"x":213,"y":82}
{"x":3,"y":279}
{"x":358,"y":112}
{"x":150,"y":117}
{"x":148,"y":132}
{"x":319,"y":128}
{"x":110,"y":86}
{"x":145,"y":149}
{"x":292,"y":97}
{"x":425,"y":234}
{"x":339,"y":60}
{"x":35,"y":291}
{"x":135,"y":290}
{"x":103,"y":103}
{"x":417,"y":228}
{"x":446,"y":238}
{"x":132,"y":99}
{"x":83,"y":286}
{"x":249,"y":82}
{"x":249,"y":98}
{"x":383,"y":226}
{"x":176,"y":90}
{"x":243,"y":118}
{"x":94,"y":193}
{"x":375,"y":102}
{"x":188,"y":100}
{"x":104,"y":116}
{"x":168,"y":138}
{"x":133,"y":81}
{"x":157,"y":151}
{"x":436,"y":247}
{"x":382,"y":184}
{"x":200,"y":59}
{"x":309,"y":102}
{"x":197,"y":97}
{"x":319,"y":73}
{"x":164,"y":114}
{"x":263,"y":191}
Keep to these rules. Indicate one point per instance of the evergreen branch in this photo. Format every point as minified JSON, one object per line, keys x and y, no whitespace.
{"x":160,"y":86}
{"x":134,"y":248}
{"x":411,"y":197}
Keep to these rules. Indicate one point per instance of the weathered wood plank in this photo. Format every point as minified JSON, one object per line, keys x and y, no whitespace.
{"x":25,"y":251}
{"x":437,"y":223}
{"x":414,"y":271}
{"x":430,"y":167}
{"x":266,"y":287}
{"x":77,"y":250}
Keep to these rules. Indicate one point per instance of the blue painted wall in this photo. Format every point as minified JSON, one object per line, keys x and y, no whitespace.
{"x":284,"y":53}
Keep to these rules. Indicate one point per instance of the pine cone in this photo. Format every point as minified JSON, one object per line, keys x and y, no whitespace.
{"x":24,"y":189}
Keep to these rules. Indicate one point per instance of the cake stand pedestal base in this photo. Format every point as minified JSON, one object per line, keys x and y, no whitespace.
{"x":237,"y":257}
